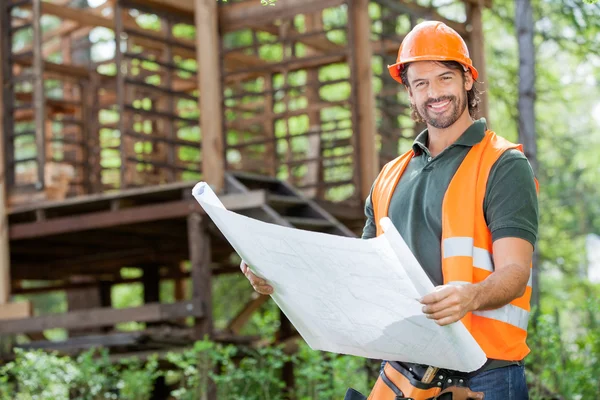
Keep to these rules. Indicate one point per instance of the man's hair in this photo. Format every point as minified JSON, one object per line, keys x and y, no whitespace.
{"x":472,"y":95}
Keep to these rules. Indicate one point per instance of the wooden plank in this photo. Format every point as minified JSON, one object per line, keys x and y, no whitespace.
{"x":144,"y":37}
{"x":68,"y":286}
{"x":94,"y":264}
{"x":4,"y":240}
{"x":365,"y":100}
{"x":241,"y":319}
{"x":106,"y":219}
{"x":104,"y":316}
{"x":39,"y":95}
{"x":186,"y":8}
{"x":16,"y":310}
{"x":241,"y":15}
{"x":210,"y":85}
{"x":314,"y":169}
{"x":200,"y":258}
{"x":107,"y":197}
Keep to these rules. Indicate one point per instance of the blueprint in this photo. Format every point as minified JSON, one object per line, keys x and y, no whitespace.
{"x":347,"y":295}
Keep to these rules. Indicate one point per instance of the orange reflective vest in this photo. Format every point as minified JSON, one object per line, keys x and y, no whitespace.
{"x":467,"y":243}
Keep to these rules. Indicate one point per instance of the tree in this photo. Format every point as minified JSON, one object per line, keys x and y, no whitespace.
{"x":526,"y":103}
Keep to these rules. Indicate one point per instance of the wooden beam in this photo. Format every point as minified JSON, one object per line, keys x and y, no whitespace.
{"x":149,"y":213}
{"x":314,"y":171}
{"x":65,"y":70}
{"x":364,"y":108}
{"x":241,"y":319}
{"x":4,"y":240}
{"x":63,"y":29}
{"x":132,"y":194}
{"x":97,"y":264}
{"x":241,"y":15}
{"x":147,"y":38}
{"x":211,"y":98}
{"x":105,"y":316}
{"x":180,"y":8}
{"x":200,"y":257}
{"x":17,"y":310}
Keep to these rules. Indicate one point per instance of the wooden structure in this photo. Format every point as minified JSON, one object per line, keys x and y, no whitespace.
{"x":101,"y":151}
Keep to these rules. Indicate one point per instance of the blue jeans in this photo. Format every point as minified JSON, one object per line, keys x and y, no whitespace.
{"x":506,"y":383}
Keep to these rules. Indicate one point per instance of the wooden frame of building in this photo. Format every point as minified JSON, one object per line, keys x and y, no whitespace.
{"x":100,"y":155}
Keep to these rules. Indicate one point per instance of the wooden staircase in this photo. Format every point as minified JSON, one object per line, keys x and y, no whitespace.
{"x":286,"y":205}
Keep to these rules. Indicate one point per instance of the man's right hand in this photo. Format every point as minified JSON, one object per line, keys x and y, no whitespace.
{"x":259,"y":284}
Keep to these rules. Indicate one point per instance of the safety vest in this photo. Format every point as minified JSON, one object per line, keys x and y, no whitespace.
{"x":467,"y":243}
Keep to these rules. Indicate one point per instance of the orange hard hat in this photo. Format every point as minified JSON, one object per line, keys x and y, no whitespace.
{"x":432,"y":41}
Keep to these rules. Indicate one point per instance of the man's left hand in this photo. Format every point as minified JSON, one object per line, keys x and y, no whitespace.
{"x":449,"y":303}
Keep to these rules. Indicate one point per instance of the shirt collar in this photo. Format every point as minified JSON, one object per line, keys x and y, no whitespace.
{"x":473,"y":135}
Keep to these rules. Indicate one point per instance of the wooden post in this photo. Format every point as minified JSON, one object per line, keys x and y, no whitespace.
{"x":200,"y":256}
{"x":209,"y":84}
{"x":118,"y":24}
{"x":314,"y":168}
{"x":4,"y":241}
{"x":38,"y":92}
{"x":285,"y":332}
{"x":477,"y":51}
{"x":364,"y":107}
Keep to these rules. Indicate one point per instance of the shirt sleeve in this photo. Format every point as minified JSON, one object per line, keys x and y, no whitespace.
{"x":511,"y":202}
{"x":370,"y":229}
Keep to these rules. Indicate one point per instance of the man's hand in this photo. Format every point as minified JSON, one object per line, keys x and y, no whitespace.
{"x":449,"y":303}
{"x":259,"y":284}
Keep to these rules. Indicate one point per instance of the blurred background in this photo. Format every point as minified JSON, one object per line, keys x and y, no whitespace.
{"x":114,"y":284}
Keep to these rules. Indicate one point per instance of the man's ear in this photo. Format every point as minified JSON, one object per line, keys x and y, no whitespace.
{"x":469,"y":81}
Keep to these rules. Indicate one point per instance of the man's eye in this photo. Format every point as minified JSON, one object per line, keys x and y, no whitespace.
{"x":446,"y":78}
{"x":420,"y":84}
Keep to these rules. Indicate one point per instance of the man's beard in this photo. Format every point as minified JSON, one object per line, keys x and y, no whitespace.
{"x":457,"y":106}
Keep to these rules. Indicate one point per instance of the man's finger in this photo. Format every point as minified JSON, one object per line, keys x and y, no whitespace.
{"x":255,"y":280}
{"x":475,"y":395}
{"x":448,"y":312}
{"x":438,"y":306}
{"x":264,"y":289}
{"x":447,"y":320}
{"x":440,"y":293}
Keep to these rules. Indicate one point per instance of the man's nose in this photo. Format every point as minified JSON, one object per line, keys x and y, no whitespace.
{"x":433,"y":90}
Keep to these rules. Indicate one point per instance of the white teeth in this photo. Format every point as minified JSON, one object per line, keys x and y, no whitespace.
{"x":439,"y":105}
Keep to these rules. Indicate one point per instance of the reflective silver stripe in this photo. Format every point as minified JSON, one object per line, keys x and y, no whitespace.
{"x":458,"y":283}
{"x":458,"y":246}
{"x":510,"y":314}
{"x":483,"y":259}
{"x":530,"y":281}
{"x":462,"y":246}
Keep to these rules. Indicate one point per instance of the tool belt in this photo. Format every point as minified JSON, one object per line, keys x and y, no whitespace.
{"x":397,"y":381}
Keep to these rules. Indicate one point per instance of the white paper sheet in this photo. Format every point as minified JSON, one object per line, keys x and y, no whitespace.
{"x":347,"y":295}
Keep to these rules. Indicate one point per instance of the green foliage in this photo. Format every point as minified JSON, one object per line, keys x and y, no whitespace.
{"x":566,"y":357}
{"x":235,"y":372}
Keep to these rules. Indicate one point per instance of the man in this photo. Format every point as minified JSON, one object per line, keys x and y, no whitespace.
{"x":465,"y":201}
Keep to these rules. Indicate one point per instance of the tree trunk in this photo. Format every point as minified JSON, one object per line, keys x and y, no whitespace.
{"x":524,"y":29}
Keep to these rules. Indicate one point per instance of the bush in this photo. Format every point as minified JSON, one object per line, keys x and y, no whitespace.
{"x":557,"y":368}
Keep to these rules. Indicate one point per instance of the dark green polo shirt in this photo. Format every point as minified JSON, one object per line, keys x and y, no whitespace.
{"x":510,"y":204}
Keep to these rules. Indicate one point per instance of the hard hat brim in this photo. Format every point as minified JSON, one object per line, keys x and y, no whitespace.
{"x":394,"y":69}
